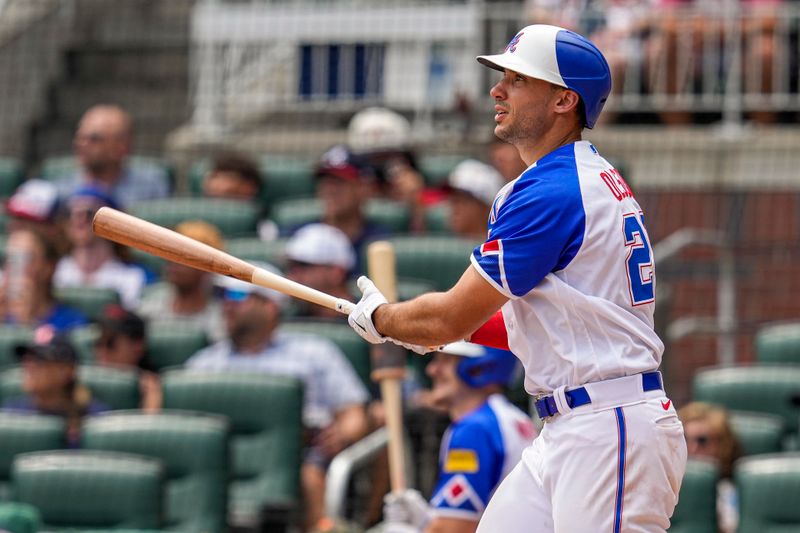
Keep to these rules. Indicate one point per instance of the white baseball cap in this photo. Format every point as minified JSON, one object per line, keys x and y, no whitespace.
{"x":321,"y":244}
{"x":36,"y":200}
{"x":477,"y":179}
{"x":376,"y":129}
{"x":242,"y":288}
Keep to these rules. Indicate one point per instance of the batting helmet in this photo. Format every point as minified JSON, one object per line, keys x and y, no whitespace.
{"x":561,"y":57}
{"x":481,"y":366}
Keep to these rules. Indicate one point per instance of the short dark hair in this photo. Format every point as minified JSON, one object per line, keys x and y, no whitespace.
{"x":241,"y":165}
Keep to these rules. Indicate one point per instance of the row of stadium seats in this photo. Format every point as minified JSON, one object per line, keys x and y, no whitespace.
{"x":228,"y":447}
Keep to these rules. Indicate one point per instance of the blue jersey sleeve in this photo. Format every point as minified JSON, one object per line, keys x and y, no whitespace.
{"x":470,"y":465}
{"x":536,"y":228}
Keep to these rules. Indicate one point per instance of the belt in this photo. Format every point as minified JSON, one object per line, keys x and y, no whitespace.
{"x":546,"y":405}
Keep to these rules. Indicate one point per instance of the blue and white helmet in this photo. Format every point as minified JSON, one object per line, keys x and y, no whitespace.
{"x":481,"y":366}
{"x":561,"y":57}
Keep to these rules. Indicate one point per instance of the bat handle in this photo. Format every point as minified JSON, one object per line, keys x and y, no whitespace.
{"x":344,"y":306}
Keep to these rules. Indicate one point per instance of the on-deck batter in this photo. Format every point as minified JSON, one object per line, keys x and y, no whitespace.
{"x":568,"y":260}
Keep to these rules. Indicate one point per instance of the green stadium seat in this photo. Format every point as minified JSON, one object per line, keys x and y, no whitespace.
{"x":84,"y":338}
{"x":171,"y":343}
{"x":772,"y":389}
{"x":90,"y":489}
{"x":696,"y":511}
{"x":3,"y":222}
{"x":437,"y":168}
{"x":19,"y":518}
{"x":436,"y":219}
{"x":194,"y":450}
{"x":147,"y":261}
{"x":439,"y":259}
{"x":778,"y":343}
{"x":758,"y":433}
{"x":21,"y":433}
{"x":57,"y":167}
{"x":254,"y":249}
{"x":232,"y":217}
{"x":11,"y":336}
{"x":266,"y":440}
{"x":89,"y":300}
{"x":11,"y":176}
{"x":339,"y":332}
{"x":118,"y":388}
{"x":769,"y":492}
{"x":289,"y":214}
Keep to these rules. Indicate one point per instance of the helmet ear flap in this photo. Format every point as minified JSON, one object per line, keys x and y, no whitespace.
{"x":495,"y":367}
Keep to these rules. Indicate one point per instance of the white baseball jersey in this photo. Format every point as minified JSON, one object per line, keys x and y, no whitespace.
{"x":567,"y":245}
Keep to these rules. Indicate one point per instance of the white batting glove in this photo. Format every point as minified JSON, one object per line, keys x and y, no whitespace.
{"x":360,"y":318}
{"x":406,"y":507}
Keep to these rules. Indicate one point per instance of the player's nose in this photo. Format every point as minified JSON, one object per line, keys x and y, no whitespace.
{"x":498,"y":91}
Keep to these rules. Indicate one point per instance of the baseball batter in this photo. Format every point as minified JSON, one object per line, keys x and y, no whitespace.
{"x":568,"y":263}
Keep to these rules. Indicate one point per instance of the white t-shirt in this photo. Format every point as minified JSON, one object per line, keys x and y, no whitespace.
{"x":127,"y":280}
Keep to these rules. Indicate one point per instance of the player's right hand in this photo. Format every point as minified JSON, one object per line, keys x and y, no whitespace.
{"x":360,"y":318}
{"x":406,"y":507}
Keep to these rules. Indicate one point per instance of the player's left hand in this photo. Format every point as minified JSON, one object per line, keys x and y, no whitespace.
{"x":360,"y":318}
{"x":407,"y":507}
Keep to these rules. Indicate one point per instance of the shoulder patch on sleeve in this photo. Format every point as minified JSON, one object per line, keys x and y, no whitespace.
{"x":461,"y":460}
{"x":458,"y":493}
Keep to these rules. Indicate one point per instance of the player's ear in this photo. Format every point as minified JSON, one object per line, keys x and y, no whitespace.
{"x":566,"y":100}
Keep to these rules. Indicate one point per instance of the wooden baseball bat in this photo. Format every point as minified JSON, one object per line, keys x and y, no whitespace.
{"x":381,"y":269}
{"x":157,"y":240}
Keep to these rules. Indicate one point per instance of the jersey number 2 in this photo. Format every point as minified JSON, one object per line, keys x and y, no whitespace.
{"x":639,"y":261}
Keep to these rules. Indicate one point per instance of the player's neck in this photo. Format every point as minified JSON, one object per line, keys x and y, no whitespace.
{"x":549,"y":142}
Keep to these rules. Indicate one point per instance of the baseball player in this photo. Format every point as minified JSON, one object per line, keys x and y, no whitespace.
{"x":480,"y":447}
{"x":568,"y":264}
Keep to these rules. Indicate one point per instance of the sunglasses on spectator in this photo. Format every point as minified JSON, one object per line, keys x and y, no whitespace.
{"x":106,"y":342}
{"x":83,"y":214}
{"x":91,"y":137}
{"x":700,"y":440}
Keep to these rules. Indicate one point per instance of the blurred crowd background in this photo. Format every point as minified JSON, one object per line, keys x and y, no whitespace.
{"x":295,"y":132}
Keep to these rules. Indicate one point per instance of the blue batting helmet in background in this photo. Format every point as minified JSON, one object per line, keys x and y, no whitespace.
{"x":561,"y":57}
{"x":481,"y":366}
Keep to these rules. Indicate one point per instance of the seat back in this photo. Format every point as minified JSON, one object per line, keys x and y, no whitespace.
{"x":11,"y":336}
{"x":353,"y":346}
{"x":289,"y":214}
{"x":89,"y":300}
{"x":90,"y":489}
{"x":21,"y":433}
{"x":769,"y":488}
{"x":773,"y":389}
{"x":266,"y":424}
{"x":438,"y":258}
{"x":194,"y":450}
{"x":11,"y":176}
{"x":254,"y":249}
{"x":231,"y":217}
{"x":19,"y":518}
{"x":778,"y":343}
{"x":758,"y":433}
{"x":171,"y":343}
{"x":696,"y":511}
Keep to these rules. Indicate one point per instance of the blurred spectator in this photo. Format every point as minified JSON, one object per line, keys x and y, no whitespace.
{"x":233,"y":176}
{"x":123,"y":343}
{"x":49,"y":380}
{"x":320,"y":256}
{"x":709,"y":436}
{"x":690,"y":35}
{"x":102,"y":145}
{"x":334,"y":397}
{"x":189,"y":293}
{"x":505,"y":158}
{"x":381,"y":139}
{"x":93,"y":261}
{"x":35,"y":204}
{"x":569,"y":14}
{"x":27,"y":288}
{"x":343,"y":188}
{"x":473,"y":187}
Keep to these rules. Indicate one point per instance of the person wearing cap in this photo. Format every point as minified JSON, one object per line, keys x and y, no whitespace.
{"x":94,"y":261}
{"x":321,"y":257}
{"x":473,"y":186}
{"x":344,"y":185}
{"x":483,"y":443}
{"x":187,"y":296}
{"x":233,"y":176}
{"x":565,"y":279}
{"x":26,"y":293}
{"x":334,"y":397}
{"x":123,"y":344}
{"x":36,"y":205}
{"x":102,"y":144}
{"x":49,"y":380}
